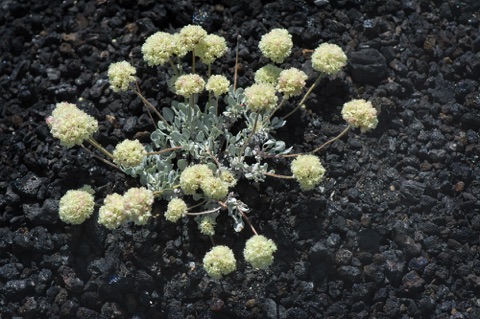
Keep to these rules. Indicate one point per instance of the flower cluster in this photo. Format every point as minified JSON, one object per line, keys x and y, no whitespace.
{"x":71,"y":125}
{"x":135,"y":205}
{"x":211,"y":47}
{"x":190,"y":36}
{"x":259,"y":251}
{"x":159,"y":48}
{"x":276,"y":45}
{"x":291,"y":82}
{"x":189,"y":84}
{"x":76,"y":206}
{"x":176,"y":209}
{"x":112,"y":213}
{"x":329,"y":58}
{"x":219,"y":261}
{"x":361,"y":114}
{"x":121,"y":75}
{"x":268,"y":74}
{"x":308,"y":171}
{"x":261,"y":97}
{"x":218,"y":84}
{"x":206,"y":225}
{"x":129,"y":153}
{"x":192,"y":177}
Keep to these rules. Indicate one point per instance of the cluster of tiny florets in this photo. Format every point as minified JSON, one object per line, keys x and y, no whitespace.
{"x":219,"y":261}
{"x":189,"y":84}
{"x":259,"y":251}
{"x":214,"y":188}
{"x":192,"y":176}
{"x":329,"y":58}
{"x":206,"y":225}
{"x":210,"y":47}
{"x":159,"y":48}
{"x":228,"y":177}
{"x":112,"y":213}
{"x":191,"y":35}
{"x":276,"y":45}
{"x":121,"y":75}
{"x":76,"y":206}
{"x":291,"y":82}
{"x":138,"y":204}
{"x":218,"y":84}
{"x":176,"y":209}
{"x":308,"y":171}
{"x":129,"y":153}
{"x":268,"y":74}
{"x":71,"y":125}
{"x":361,"y":114}
{"x":261,"y":97}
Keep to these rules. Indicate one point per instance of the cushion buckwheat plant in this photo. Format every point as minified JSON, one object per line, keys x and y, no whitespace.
{"x":199,"y":152}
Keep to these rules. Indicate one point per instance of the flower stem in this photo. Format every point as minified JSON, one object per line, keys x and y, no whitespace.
{"x":99,"y":147}
{"x":165,"y":150}
{"x":244,"y":216}
{"x":321,"y":146}
{"x":244,"y":147}
{"x":304,"y":97}
{"x":148,"y":104}
{"x":205,"y":212}
{"x":279,"y":176}
{"x":101,"y":159}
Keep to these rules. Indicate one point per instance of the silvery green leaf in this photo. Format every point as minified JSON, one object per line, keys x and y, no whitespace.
{"x":279,"y":146}
{"x":197,"y":197}
{"x":182,"y":164}
{"x":277,"y":122}
{"x":186,"y":134}
{"x":167,"y":114}
{"x":288,"y":150}
{"x":176,"y":137}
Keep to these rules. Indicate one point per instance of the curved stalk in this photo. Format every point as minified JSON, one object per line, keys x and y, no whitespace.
{"x":304,"y":97}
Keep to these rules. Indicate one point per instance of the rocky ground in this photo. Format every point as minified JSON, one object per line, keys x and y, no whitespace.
{"x":392,"y":232}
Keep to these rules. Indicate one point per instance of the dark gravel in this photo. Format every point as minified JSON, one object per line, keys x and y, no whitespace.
{"x":393,"y":232}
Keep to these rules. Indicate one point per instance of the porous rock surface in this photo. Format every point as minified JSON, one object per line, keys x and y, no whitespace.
{"x":392,"y":232}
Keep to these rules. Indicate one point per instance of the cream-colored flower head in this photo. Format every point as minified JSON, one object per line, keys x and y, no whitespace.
{"x":71,"y":125}
{"x":76,"y":206}
{"x":218,"y":84}
{"x":180,"y":50}
{"x":191,"y":35}
{"x":189,"y":84}
{"x":214,"y":188}
{"x":276,"y":45}
{"x":206,"y":224}
{"x":176,"y":209}
{"x":112,"y":213}
{"x":228,"y":177}
{"x":138,"y":204}
{"x":192,"y":176}
{"x":261,"y":97}
{"x":259,"y":251}
{"x":329,"y":58}
{"x":158,"y":48}
{"x":268,"y":74}
{"x":121,"y":75}
{"x":361,"y":114}
{"x":211,"y":47}
{"x":129,"y":153}
{"x":219,"y":261}
{"x":308,"y":171}
{"x":291,"y":82}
